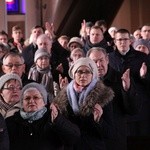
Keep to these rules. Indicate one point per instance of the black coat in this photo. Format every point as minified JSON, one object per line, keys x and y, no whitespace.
{"x":4,"y":139}
{"x":92,"y":133}
{"x":133,"y":60}
{"x":124,"y":103}
{"x":88,"y":45}
{"x":41,"y":134}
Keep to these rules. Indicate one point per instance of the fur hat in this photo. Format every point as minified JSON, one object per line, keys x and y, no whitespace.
{"x":141,"y":42}
{"x":84,"y":62}
{"x":75,"y":40}
{"x":37,"y":86}
{"x":39,"y":53}
{"x":9,"y":76}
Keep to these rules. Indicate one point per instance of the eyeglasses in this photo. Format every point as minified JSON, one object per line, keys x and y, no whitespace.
{"x":11,"y":65}
{"x":12,"y":88}
{"x":120,"y":40}
{"x":80,"y":72}
{"x":35,"y":98}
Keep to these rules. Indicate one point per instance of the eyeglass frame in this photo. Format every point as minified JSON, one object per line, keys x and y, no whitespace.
{"x":12,"y":88}
{"x":11,"y":65}
{"x":80,"y":72}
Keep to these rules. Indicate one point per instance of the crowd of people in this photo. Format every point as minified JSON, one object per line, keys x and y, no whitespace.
{"x":87,"y":92}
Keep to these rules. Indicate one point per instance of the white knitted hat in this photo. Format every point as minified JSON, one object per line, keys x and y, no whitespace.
{"x":84,"y":62}
{"x":9,"y":76}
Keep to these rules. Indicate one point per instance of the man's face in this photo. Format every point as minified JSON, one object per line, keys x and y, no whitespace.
{"x":35,"y":33}
{"x":3,"y":39}
{"x":96,"y":36}
{"x":44,"y":43}
{"x":17,"y":35}
{"x":13,"y":65}
{"x":101,"y":61}
{"x":122,"y":42}
{"x":145,"y":32}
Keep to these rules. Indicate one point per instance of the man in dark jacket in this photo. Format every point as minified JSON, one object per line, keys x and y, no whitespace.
{"x":125,"y":57}
{"x":126,"y":99}
{"x":96,"y":39}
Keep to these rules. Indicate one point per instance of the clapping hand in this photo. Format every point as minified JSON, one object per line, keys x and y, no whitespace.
{"x":97,"y":112}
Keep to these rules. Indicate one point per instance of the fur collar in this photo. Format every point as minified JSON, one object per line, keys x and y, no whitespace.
{"x":101,"y":94}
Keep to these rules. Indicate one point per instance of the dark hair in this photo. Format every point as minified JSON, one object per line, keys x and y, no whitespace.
{"x":100,"y":23}
{"x":3,"y":33}
{"x":16,"y":27}
{"x":38,"y":26}
{"x":96,"y":27}
{"x":123,"y":31}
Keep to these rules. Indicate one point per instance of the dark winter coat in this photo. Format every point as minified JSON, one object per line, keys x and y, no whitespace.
{"x":92,"y":133}
{"x":124,"y":103}
{"x":133,"y":60}
{"x":41,"y":134}
{"x":4,"y":139}
{"x":88,"y":45}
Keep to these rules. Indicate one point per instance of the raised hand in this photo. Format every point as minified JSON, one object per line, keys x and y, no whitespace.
{"x":126,"y":80}
{"x":54,"y":112}
{"x":97,"y":112}
{"x":50,"y":28}
{"x":143,"y":70}
{"x":63,"y":81}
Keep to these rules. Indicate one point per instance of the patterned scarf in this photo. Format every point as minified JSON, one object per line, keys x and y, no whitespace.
{"x":77,"y":99}
{"x":44,"y":77}
{"x":32,"y":116}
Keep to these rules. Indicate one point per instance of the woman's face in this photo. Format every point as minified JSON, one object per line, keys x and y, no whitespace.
{"x":75,"y":56}
{"x":11,"y":92}
{"x":32,"y":100}
{"x":42,"y":62}
{"x":83,"y":76}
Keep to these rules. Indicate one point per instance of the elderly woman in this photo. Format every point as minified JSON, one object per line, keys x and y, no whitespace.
{"x":76,"y":54}
{"x":84,"y":101}
{"x":35,"y":127}
{"x":10,"y":89}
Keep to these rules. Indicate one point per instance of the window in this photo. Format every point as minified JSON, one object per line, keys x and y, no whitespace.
{"x":15,"y":6}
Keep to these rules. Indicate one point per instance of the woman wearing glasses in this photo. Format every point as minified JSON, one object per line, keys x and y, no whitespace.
{"x":10,"y":88}
{"x":38,"y":127}
{"x":84,"y":101}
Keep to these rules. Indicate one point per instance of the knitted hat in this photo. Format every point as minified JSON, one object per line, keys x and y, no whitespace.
{"x":39,"y":53}
{"x":76,"y":50}
{"x":37,"y":86}
{"x":84,"y":62}
{"x":141,"y":42}
{"x":75,"y":40}
{"x":9,"y":76}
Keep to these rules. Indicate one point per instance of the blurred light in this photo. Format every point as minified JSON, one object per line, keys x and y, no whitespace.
{"x":9,"y":1}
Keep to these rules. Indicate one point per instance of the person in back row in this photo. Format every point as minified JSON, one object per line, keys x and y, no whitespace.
{"x":123,"y":58}
{"x":29,"y":51}
{"x":96,"y":39}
